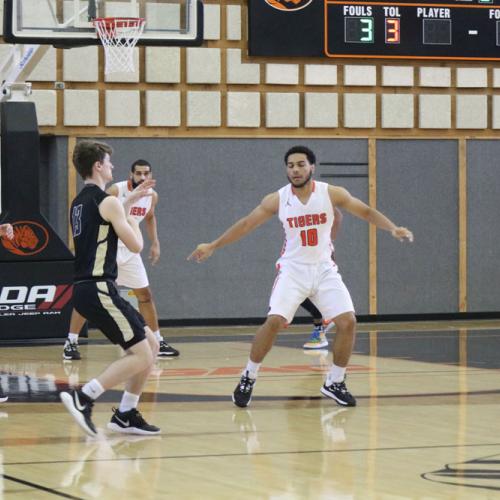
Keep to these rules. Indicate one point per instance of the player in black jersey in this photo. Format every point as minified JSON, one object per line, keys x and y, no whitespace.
{"x":97,"y":221}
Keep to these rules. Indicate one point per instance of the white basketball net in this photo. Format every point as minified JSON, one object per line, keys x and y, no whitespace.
{"x":119,"y":36}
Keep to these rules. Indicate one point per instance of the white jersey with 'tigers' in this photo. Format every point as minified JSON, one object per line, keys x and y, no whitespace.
{"x":139,"y":209}
{"x":307,"y":226}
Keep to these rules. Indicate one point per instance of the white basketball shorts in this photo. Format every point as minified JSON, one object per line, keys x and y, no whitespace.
{"x":131,"y":270}
{"x":319,"y":282}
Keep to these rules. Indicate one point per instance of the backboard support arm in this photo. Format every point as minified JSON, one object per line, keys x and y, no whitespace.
{"x":16,"y":68}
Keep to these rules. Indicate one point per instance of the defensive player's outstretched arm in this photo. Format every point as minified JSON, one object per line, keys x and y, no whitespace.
{"x":268,"y":207}
{"x":343,"y":199}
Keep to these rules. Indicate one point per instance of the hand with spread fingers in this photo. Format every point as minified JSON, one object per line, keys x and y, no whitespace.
{"x":143,"y":189}
{"x":7,"y":231}
{"x":402,"y":234}
{"x":202,"y":252}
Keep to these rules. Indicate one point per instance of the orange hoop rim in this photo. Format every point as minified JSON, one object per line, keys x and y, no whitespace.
{"x":119,"y":22}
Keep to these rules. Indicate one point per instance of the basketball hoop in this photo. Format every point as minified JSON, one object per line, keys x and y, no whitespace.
{"x":119,"y":36}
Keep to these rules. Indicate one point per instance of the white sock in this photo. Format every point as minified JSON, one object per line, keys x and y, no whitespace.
{"x":329,"y":326}
{"x":158,"y":335}
{"x":128,"y":401}
{"x":93,"y":389}
{"x":252,"y":368}
{"x":336,"y":374}
{"x":73,"y":338}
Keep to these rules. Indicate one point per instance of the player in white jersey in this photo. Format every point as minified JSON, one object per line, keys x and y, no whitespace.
{"x":305,"y":268}
{"x":131,"y":271}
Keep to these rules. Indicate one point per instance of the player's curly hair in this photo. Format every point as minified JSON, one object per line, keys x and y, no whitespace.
{"x":311,"y":157}
{"x":142,"y":163}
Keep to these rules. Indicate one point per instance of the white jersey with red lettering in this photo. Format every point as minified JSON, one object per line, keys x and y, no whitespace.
{"x":131,"y":270}
{"x":307,"y":226}
{"x":139,"y":209}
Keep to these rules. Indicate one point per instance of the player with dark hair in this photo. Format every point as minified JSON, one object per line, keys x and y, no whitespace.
{"x":97,"y":221}
{"x":305,"y":267}
{"x":131,"y":271}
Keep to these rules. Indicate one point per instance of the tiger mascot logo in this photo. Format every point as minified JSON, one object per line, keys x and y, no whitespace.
{"x":288,"y":5}
{"x":30,"y":238}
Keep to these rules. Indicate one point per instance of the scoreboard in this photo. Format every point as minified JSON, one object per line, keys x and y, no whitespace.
{"x":441,"y":30}
{"x":401,"y":29}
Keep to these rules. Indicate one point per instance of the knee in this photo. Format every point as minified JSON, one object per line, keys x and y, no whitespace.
{"x":144,"y":295}
{"x":154,"y":346}
{"x":345,"y":322}
{"x":275,"y":323}
{"x":145,"y":359}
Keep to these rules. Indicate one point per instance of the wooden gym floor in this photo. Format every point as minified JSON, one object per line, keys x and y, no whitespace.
{"x":426,"y":424}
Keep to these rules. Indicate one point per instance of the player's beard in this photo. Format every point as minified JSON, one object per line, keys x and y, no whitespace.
{"x":302,"y":184}
{"x":135,"y":184}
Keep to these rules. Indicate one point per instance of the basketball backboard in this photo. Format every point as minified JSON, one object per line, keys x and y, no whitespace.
{"x":68,"y":23}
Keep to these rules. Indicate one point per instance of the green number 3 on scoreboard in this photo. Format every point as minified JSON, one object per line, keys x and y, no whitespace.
{"x":366,"y":29}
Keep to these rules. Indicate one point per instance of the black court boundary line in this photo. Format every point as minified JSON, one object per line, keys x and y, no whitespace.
{"x":112,"y":395}
{"x":461,"y":485}
{"x":162,"y":397}
{"x":363,"y":330}
{"x":263,"y":453}
{"x":450,"y":468}
{"x":361,"y":318}
{"x":39,"y":486}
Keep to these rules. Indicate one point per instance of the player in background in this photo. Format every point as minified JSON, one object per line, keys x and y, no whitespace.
{"x":318,"y":339}
{"x":131,"y":271}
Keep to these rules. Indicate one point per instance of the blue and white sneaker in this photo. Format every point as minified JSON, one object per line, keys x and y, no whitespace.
{"x":317,"y":340}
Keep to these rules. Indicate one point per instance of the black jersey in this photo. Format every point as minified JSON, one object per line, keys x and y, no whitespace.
{"x":95,"y":239}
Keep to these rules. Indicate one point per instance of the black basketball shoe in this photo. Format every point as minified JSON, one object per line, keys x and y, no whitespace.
{"x":71,"y":352}
{"x":131,"y":422}
{"x":80,"y":407}
{"x":3,"y":397}
{"x":167,"y":351}
{"x":338,"y":391}
{"x":242,"y":395}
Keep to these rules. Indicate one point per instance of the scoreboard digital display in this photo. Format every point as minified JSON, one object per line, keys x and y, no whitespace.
{"x":400,"y":29}
{"x":404,"y":29}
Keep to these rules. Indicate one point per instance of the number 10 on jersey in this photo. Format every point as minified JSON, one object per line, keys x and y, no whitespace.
{"x":309,"y":237}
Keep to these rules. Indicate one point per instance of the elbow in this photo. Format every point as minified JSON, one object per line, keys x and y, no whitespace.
{"x":369,"y":215}
{"x":135,"y":246}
